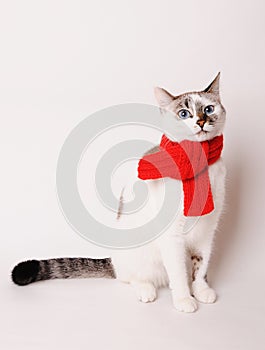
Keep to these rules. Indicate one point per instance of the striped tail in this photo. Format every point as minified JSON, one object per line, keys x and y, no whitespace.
{"x":30,"y":271}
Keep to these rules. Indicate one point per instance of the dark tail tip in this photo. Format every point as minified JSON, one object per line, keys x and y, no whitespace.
{"x":25,"y":272}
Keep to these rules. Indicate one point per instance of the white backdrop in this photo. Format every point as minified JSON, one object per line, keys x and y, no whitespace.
{"x":63,"y":60}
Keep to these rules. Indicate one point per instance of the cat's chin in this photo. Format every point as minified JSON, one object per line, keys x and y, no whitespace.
{"x":199,"y":137}
{"x":203,"y":136}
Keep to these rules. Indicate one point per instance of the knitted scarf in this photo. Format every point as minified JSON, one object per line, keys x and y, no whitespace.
{"x":187,"y":161}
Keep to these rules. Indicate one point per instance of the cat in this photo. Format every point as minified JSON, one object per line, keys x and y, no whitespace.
{"x":177,"y":260}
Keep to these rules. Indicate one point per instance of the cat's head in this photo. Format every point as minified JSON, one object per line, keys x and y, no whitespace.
{"x":202,"y":111}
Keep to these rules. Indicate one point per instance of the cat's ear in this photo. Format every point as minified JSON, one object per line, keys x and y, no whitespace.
{"x":213,"y":88}
{"x":163,"y":97}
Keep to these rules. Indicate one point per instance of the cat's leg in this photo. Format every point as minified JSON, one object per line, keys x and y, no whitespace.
{"x":204,"y":233}
{"x":173,"y":253}
{"x":200,"y":288}
{"x":145,"y":291}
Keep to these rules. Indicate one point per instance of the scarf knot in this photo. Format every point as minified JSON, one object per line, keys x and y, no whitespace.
{"x":187,"y":161}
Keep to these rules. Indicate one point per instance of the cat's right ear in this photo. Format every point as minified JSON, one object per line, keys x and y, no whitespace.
{"x":213,"y":88}
{"x":163,"y":97}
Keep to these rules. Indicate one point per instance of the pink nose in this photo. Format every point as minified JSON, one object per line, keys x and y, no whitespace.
{"x":201,"y":122}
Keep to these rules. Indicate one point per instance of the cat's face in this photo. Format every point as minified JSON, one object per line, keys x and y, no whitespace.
{"x":202,"y":112}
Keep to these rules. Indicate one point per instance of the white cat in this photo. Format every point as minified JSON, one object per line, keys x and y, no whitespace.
{"x":165,"y":260}
{"x":177,"y":258}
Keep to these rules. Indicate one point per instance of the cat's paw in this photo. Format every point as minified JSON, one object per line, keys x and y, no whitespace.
{"x":145,"y":292}
{"x":206,"y":295}
{"x":187,"y":304}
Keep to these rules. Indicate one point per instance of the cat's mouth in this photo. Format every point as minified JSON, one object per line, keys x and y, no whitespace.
{"x":202,"y":132}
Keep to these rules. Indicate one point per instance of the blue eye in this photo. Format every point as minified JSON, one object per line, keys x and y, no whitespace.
{"x":184,"y":114}
{"x":209,"y":110}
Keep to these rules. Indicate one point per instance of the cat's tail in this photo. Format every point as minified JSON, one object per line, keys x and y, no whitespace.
{"x":30,"y":271}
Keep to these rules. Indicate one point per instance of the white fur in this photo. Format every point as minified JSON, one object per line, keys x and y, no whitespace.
{"x":163,"y":261}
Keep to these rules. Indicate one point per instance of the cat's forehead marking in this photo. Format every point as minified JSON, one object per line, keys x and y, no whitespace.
{"x":189,"y":98}
{"x":193,"y":101}
{"x":186,"y":102}
{"x":198,"y":101}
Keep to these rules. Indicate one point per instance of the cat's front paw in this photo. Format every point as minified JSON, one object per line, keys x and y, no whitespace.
{"x":206,"y":295}
{"x":186,"y":304}
{"x":145,"y":292}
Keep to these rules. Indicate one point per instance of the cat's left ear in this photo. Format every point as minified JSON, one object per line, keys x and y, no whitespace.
{"x":213,"y":88}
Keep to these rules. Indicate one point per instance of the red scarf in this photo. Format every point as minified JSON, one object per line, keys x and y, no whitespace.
{"x":187,"y":161}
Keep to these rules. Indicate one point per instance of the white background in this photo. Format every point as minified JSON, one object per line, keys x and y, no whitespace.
{"x":63,"y":60}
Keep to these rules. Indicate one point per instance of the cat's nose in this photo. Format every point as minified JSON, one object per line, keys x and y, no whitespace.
{"x":200,"y":122}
